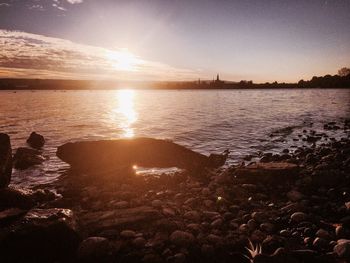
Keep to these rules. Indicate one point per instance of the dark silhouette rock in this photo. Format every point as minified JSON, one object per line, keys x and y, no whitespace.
{"x":42,"y":235}
{"x":95,"y":249}
{"x":12,"y":198}
{"x":5,"y":160}
{"x":36,"y":140}
{"x":113,"y":155}
{"x":25,"y":158}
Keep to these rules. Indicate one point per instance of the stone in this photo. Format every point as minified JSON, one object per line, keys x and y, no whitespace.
{"x":16,"y":198}
{"x":94,"y":249}
{"x":217,"y":223}
{"x":323,"y":234}
{"x":36,"y":140}
{"x":5,"y":160}
{"x":8,"y":215}
{"x":294,"y":195}
{"x":192,"y":216}
{"x":214,"y":239}
{"x":127,"y":234}
{"x":270,"y":172}
{"x":25,"y":158}
{"x":182,"y":238}
{"x":259,"y":217}
{"x":139,"y":242}
{"x":128,"y":218}
{"x":342,"y":249}
{"x":42,"y":235}
{"x":123,"y":154}
{"x":298,"y":217}
{"x":267,"y":227}
{"x":157,"y":203}
{"x":320,"y":243}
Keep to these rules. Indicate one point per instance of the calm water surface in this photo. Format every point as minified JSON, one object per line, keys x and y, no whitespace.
{"x":205,"y":121}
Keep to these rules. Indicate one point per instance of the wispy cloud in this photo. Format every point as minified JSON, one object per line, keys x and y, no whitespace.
{"x":4,"y":5}
{"x":75,"y":1}
{"x":31,"y":55}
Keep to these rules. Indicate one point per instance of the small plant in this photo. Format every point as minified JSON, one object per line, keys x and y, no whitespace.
{"x":253,"y":250}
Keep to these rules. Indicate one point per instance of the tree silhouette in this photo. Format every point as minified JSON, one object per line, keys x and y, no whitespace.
{"x":343,"y":72}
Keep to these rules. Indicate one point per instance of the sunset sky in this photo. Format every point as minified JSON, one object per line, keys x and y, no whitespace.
{"x":174,"y":39}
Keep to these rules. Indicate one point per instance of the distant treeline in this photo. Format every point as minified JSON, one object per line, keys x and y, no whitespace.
{"x":327,"y":81}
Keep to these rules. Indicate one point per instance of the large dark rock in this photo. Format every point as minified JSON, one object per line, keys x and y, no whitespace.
{"x":36,"y":140}
{"x":15,"y":198}
{"x":42,"y":235}
{"x":5,"y":160}
{"x":25,"y":158}
{"x":113,"y":155}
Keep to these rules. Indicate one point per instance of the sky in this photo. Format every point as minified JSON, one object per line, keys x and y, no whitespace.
{"x":270,"y":40}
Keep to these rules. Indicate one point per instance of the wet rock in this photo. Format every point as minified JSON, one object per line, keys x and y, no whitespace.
{"x":323,"y":234}
{"x":43,"y":235}
{"x":182,"y":238}
{"x":298,"y":217}
{"x":5,"y":160}
{"x":8,"y":215}
{"x":25,"y":158}
{"x":342,"y":249}
{"x":95,"y":249}
{"x":36,"y":140}
{"x":340,"y":232}
{"x":13,"y":198}
{"x":320,"y":243}
{"x":146,"y":152}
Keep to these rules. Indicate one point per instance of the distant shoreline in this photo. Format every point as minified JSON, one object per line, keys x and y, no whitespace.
{"x":325,"y":82}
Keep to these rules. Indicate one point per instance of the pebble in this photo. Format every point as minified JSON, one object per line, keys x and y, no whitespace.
{"x":128,"y":234}
{"x":294,"y":195}
{"x":192,"y":216}
{"x":259,"y":217}
{"x":182,"y":238}
{"x":298,"y":217}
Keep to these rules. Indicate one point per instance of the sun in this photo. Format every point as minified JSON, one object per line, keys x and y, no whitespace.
{"x":123,"y":60}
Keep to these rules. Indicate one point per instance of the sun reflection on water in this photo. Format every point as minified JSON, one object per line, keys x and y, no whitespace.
{"x":127,"y":111}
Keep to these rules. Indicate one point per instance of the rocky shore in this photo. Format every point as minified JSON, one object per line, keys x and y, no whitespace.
{"x":290,"y":207}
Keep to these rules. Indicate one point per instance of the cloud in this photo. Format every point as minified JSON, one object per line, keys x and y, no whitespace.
{"x":5,"y":4}
{"x":75,"y":1}
{"x":32,"y":55}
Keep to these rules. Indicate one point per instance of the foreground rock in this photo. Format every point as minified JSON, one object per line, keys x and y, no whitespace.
{"x":36,"y":140}
{"x":42,"y":235}
{"x":273,"y":172}
{"x":25,"y":158}
{"x":114,"y":155}
{"x":5,"y":160}
{"x":137,"y":217}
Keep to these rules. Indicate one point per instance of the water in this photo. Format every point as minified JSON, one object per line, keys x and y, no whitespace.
{"x":205,"y":121}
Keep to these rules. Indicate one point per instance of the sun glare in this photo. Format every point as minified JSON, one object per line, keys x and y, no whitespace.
{"x":126,"y":110}
{"x":123,"y":60}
